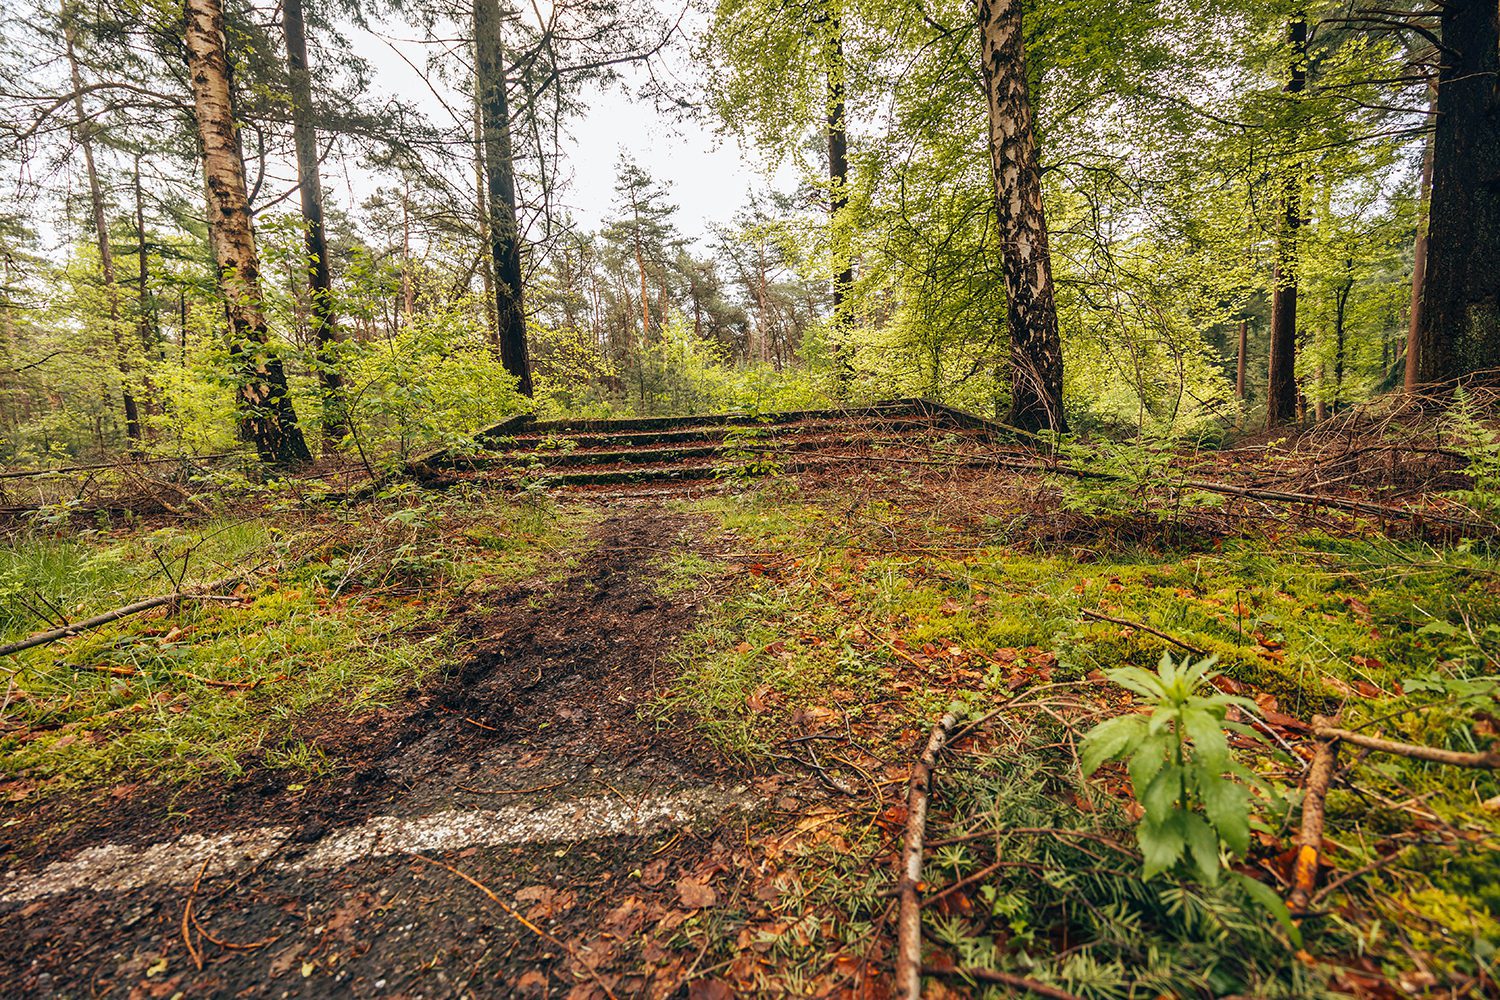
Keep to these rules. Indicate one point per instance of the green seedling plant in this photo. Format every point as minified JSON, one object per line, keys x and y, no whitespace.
{"x":1184,"y":775}
{"x":746,"y":452}
{"x":1181,"y":768}
{"x":1128,"y":475}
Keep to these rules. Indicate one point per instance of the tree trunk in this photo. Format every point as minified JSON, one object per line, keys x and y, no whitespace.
{"x":640,"y":264}
{"x":266,"y":414}
{"x":481,"y":204}
{"x":101,"y":232}
{"x":1340,"y":333}
{"x":146,"y":326}
{"x":1419,"y":256}
{"x":8,"y":417}
{"x":149,"y":329}
{"x":1281,"y":374}
{"x":1035,"y":345}
{"x":1239,"y":364}
{"x":1460,"y":311}
{"x":404,"y":313}
{"x":505,"y":235}
{"x":310,"y":188}
{"x":838,"y":193}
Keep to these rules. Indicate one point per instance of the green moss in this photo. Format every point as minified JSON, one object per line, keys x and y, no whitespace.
{"x":364,"y":614}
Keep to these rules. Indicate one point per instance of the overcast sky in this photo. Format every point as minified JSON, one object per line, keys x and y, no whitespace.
{"x":710,"y":176}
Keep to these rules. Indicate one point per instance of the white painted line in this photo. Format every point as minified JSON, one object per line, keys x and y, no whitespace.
{"x":177,"y":862}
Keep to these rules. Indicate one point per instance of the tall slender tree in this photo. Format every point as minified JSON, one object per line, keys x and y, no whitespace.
{"x":101,"y":231}
{"x":1281,"y":373}
{"x":266,"y":415}
{"x":310,"y":191}
{"x":499,"y":168}
{"x":1035,"y":344}
{"x":1239,"y":359}
{"x":1419,"y":260}
{"x":838,"y":183}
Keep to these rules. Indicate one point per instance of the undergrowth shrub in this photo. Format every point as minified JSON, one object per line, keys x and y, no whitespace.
{"x":1061,"y":899}
{"x":435,"y":383}
{"x":1480,"y":447}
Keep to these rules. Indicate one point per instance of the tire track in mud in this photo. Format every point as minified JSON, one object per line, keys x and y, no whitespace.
{"x":546,"y":716}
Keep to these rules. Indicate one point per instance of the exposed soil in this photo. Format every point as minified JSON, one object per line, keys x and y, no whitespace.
{"x":546,"y":714}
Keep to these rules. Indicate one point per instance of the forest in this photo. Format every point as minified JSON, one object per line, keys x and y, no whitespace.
{"x":1014,"y":514}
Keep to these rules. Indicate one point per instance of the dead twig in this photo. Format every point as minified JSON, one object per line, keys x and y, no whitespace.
{"x":187,"y":917}
{"x":1344,"y":880}
{"x":1101,"y":616}
{"x":909,"y":920}
{"x":174,"y":459}
{"x":231,"y":945}
{"x":66,"y":631}
{"x":514,"y":915}
{"x":1487,"y":759}
{"x":1310,"y":837}
{"x":1010,"y":979}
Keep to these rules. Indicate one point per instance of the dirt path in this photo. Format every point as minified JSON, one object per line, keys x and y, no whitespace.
{"x":530,"y":773}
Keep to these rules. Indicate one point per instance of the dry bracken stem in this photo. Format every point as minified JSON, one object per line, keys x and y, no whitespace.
{"x":909,"y":922}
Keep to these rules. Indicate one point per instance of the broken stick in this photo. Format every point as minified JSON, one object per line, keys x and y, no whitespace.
{"x":909,"y":922}
{"x":52,"y":635}
{"x":1486,"y":759}
{"x":1010,"y":979}
{"x":1310,"y":837}
{"x":1101,"y":616}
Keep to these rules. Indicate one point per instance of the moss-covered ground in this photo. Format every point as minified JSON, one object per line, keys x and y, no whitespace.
{"x":346,"y":607}
{"x":853,"y":618}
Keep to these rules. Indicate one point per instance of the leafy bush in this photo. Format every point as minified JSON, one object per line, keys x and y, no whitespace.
{"x":435,"y":383}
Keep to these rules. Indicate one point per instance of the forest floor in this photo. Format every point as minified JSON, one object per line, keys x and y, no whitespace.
{"x":459,"y":744}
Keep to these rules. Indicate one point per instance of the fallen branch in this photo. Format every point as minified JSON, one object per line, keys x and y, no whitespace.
{"x":230,"y":685}
{"x":1375,"y":865}
{"x":33,"y":473}
{"x":1310,"y":836}
{"x":67,"y":631}
{"x":1010,"y":979}
{"x":1379,"y":510}
{"x":231,"y":945}
{"x":1341,"y":503}
{"x":1101,"y":616}
{"x":909,"y":921}
{"x":1487,"y":759}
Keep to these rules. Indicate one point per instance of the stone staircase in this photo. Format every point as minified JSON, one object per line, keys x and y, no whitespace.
{"x":662,"y":451}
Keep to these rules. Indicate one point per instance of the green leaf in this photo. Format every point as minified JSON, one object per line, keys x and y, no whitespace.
{"x":1203,"y":844}
{"x":1198,"y":672}
{"x":1438,"y":628}
{"x":1143,"y":683}
{"x":1161,"y":844}
{"x":1227,"y":806}
{"x":1147,"y":761}
{"x":1161,"y":795}
{"x":1110,"y":739}
{"x":1209,"y":742}
{"x":1266,"y":898}
{"x":1161,"y":717}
